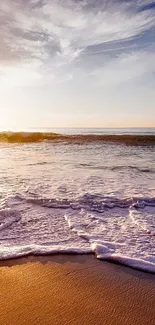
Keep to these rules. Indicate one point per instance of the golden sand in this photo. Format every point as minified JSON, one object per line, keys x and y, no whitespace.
{"x":74,"y":290}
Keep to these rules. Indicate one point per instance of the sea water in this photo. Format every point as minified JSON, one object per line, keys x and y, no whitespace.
{"x":93,"y":196}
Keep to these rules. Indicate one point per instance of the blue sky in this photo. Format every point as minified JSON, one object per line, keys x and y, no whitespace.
{"x":77,"y":63}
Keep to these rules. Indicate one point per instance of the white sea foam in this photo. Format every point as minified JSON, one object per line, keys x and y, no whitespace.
{"x":8,"y":252}
{"x":8,"y":217}
{"x":144,"y":218}
{"x":103,"y":253}
{"x":114,"y":235}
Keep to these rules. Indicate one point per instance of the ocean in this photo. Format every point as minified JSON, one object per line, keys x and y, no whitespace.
{"x":81,"y":191}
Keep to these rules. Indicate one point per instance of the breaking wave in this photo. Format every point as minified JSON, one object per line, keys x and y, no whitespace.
{"x":33,"y":137}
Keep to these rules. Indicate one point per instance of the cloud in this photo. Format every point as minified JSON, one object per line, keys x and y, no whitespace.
{"x":55,"y":34}
{"x":125,"y":68}
{"x":147,"y":5}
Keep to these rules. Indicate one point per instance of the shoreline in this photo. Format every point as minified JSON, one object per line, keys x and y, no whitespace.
{"x":69,"y":256}
{"x":74,"y":289}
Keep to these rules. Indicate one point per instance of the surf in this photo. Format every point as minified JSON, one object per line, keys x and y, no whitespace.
{"x":33,"y":137}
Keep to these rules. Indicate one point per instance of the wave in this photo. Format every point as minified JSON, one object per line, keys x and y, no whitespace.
{"x":96,"y":203}
{"x":119,"y":230}
{"x":33,"y":137}
{"x":135,"y":263}
{"x":10,"y":252}
{"x":118,"y":168}
{"x":135,"y":168}
{"x":96,"y":249}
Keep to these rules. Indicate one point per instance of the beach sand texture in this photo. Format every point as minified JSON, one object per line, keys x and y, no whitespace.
{"x":74,"y":290}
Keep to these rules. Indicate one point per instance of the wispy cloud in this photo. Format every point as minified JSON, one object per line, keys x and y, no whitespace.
{"x":125,"y":68}
{"x":53,"y":36}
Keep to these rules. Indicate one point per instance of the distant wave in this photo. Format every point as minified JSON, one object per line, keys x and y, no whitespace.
{"x":32,"y":137}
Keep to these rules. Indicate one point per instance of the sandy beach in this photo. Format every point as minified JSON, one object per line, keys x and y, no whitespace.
{"x":74,"y":290}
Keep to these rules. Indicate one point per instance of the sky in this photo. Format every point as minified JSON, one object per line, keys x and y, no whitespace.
{"x":77,"y":63}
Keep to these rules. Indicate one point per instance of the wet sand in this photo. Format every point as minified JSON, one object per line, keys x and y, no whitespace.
{"x":74,"y":290}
